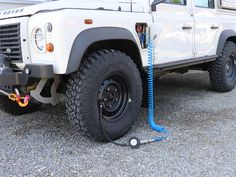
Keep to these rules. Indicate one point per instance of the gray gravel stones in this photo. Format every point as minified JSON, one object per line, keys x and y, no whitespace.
{"x":202,"y":143}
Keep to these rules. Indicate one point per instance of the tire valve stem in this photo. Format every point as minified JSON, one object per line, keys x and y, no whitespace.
{"x":130,"y":100}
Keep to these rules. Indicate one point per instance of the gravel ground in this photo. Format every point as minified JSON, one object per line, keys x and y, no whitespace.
{"x":203,"y":140}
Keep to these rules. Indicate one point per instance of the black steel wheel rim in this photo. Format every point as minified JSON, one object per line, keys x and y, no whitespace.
{"x":230,"y":67}
{"x":114,"y":96}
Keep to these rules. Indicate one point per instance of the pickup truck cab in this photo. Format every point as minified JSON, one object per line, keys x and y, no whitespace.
{"x":96,"y":54}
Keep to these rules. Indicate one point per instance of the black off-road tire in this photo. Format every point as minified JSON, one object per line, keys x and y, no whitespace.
{"x":8,"y":106}
{"x":144,"y":77}
{"x":223,"y":71}
{"x":86,"y":88}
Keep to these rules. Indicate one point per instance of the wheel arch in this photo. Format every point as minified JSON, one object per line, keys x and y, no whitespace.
{"x":103,"y":38}
{"x":226,"y":35}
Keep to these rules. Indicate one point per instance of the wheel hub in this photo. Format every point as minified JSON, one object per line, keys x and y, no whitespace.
{"x":230,"y":68}
{"x":113,"y":94}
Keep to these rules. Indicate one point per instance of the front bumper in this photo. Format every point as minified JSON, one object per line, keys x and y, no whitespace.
{"x":30,"y":73}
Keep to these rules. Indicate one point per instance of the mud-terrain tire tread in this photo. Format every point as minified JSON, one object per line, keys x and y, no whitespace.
{"x":78,"y":90}
{"x":217,"y":70}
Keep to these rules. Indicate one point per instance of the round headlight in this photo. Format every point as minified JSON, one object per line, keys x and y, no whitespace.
{"x":39,"y":39}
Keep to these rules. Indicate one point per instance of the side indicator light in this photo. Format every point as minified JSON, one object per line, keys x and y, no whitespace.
{"x":50,"y":47}
{"x":88,"y":21}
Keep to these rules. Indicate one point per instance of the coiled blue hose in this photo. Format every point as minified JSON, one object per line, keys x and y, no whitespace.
{"x":151,"y":120}
{"x":136,"y":142}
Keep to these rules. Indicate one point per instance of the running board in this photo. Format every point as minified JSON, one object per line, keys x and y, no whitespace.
{"x":184,"y":63}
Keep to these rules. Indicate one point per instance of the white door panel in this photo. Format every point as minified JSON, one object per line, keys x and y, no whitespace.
{"x":174,"y":31}
{"x":206,"y":31}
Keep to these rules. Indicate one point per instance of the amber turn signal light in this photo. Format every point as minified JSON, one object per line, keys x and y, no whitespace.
{"x":88,"y":21}
{"x":50,"y":47}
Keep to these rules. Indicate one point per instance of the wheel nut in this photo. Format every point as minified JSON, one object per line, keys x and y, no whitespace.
{"x":115,"y":90}
{"x":108,"y":89}
{"x":116,"y":100}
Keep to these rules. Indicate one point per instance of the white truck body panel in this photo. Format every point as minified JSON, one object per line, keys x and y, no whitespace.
{"x":79,"y":4}
{"x":59,"y":58}
{"x":6,"y":4}
{"x":171,"y":42}
{"x":205,"y":37}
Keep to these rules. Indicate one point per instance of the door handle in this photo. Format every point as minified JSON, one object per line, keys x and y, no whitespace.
{"x":214,"y":27}
{"x":187,"y":27}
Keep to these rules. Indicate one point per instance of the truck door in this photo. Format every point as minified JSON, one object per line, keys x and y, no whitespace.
{"x":206,"y":28}
{"x":173,"y":29}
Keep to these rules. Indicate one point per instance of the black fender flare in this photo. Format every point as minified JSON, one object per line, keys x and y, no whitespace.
{"x":225,"y":35}
{"x":88,"y":37}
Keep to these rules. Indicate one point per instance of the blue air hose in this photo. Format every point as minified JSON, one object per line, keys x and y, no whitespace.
{"x":135,"y":142}
{"x":151,"y":120}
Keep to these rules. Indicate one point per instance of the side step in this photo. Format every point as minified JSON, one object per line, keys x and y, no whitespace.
{"x":184,"y":63}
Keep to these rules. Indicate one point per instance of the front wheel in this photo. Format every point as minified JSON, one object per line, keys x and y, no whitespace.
{"x":110,"y":78}
{"x":223,"y":70}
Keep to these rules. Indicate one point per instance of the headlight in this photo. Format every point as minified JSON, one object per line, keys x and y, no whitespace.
{"x":39,"y":39}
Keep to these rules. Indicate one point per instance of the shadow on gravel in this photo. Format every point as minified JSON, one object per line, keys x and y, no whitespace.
{"x":51,"y":122}
{"x":189,"y":82}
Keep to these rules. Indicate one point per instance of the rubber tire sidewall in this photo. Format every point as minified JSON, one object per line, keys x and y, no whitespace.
{"x":218,"y":76}
{"x":121,"y":125}
{"x":104,"y":66}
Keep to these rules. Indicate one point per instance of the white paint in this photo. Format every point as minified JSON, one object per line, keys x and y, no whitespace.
{"x":11,"y":4}
{"x":171,"y":42}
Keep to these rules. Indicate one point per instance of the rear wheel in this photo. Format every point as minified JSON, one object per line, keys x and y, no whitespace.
{"x":223,"y":70}
{"x":110,"y":78}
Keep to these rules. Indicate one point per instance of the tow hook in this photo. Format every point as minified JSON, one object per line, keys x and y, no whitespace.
{"x":22,"y":101}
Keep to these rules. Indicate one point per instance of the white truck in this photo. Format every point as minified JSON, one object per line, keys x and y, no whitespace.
{"x":95,"y":53}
